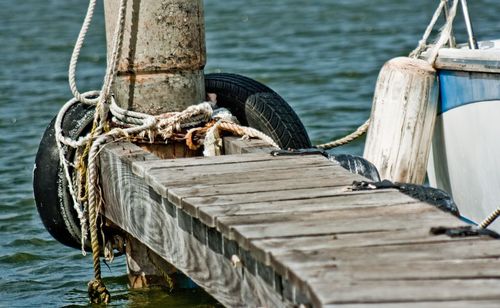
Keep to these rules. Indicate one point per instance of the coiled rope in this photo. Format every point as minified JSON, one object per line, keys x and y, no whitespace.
{"x":131,"y":123}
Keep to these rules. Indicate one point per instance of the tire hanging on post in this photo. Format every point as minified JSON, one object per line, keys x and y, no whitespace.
{"x":50,"y":187}
{"x":251,"y":102}
{"x":259,"y":107}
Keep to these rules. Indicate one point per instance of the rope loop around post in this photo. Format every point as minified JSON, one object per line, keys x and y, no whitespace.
{"x":444,"y":35}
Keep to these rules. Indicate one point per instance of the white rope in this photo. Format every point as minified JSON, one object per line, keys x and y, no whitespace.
{"x":133,"y":123}
{"x":60,"y":140}
{"x":112,"y":61}
{"x":100,"y":101}
{"x":76,"y":54}
{"x":347,"y":139}
{"x":422,"y":44}
{"x":490,"y":219}
{"x":444,"y":35}
{"x":212,"y":145}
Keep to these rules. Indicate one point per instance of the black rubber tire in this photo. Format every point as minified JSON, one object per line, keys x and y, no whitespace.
{"x":253,"y":103}
{"x":257,"y":106}
{"x":53,"y":201}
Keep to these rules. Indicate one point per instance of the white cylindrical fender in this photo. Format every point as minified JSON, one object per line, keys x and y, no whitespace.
{"x":402,"y":119}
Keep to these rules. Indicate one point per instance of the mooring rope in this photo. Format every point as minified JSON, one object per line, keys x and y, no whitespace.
{"x":131,"y":123}
{"x":445,"y":33}
{"x":444,"y":36}
{"x":360,"y":131}
{"x":422,"y":44}
{"x":490,"y":219}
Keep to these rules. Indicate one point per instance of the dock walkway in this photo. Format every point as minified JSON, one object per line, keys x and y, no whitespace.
{"x":257,"y":230}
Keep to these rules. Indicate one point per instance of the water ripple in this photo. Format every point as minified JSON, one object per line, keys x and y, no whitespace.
{"x":322,"y":56}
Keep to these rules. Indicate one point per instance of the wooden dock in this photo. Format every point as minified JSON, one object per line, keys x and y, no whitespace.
{"x":257,"y":230}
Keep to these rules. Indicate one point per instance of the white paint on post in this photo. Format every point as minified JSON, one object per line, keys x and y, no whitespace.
{"x":402,"y":120}
{"x":161,"y":63}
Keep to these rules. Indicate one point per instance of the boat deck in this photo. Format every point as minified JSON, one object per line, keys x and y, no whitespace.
{"x":258,"y":230}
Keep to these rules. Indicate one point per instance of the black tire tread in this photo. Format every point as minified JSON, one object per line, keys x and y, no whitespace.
{"x":257,"y":106}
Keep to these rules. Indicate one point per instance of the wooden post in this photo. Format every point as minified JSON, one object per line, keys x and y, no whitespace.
{"x":160,"y":69}
{"x":143,"y":266}
{"x":402,"y":120}
{"x":161,"y":63}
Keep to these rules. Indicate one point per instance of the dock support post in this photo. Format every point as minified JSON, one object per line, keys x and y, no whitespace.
{"x":160,"y":69}
{"x":142,"y":271}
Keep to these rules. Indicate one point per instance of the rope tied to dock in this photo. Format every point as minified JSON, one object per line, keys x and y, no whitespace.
{"x":444,"y":36}
{"x":360,"y":131}
{"x":490,"y":219}
{"x":204,"y":120}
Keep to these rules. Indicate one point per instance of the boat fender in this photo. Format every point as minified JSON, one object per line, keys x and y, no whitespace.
{"x":251,"y":102}
{"x":402,"y":119}
{"x":53,"y":201}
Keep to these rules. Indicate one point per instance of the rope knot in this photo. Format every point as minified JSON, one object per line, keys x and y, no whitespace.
{"x":98,"y":293}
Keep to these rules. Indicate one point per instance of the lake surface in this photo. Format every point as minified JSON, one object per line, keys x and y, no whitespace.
{"x":322,"y":56}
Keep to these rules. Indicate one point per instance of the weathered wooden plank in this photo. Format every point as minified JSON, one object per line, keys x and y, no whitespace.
{"x":298,"y":201}
{"x":425,"y":304}
{"x":308,"y":179}
{"x":282,"y":245}
{"x":236,"y":145}
{"x":461,"y":249}
{"x":242,"y":166}
{"x":163,"y":180}
{"x":368,"y":263}
{"x":245,"y":228}
{"x":130,"y":153}
{"x":390,"y":269}
{"x":220,"y":194}
{"x":368,"y":292}
{"x":202,"y":161}
{"x":308,"y":240}
{"x":172,"y":150}
{"x":130,"y":206}
{"x":262,"y":249}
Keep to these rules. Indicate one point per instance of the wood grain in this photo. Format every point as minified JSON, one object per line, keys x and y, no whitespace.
{"x":310,"y":178}
{"x":407,"y":291}
{"x":302,"y":202}
{"x":300,"y":236}
{"x":129,"y":205}
{"x":236,"y":145}
{"x":402,"y":120}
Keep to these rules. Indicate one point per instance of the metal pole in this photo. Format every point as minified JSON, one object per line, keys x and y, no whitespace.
{"x":468,"y":25}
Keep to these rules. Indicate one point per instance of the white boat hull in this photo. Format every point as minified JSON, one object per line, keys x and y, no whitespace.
{"x":465,"y":154}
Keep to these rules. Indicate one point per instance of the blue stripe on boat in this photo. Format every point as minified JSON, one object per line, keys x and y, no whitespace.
{"x":459,"y":88}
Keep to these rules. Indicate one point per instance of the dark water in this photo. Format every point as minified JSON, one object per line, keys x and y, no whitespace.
{"x":322,"y":56}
